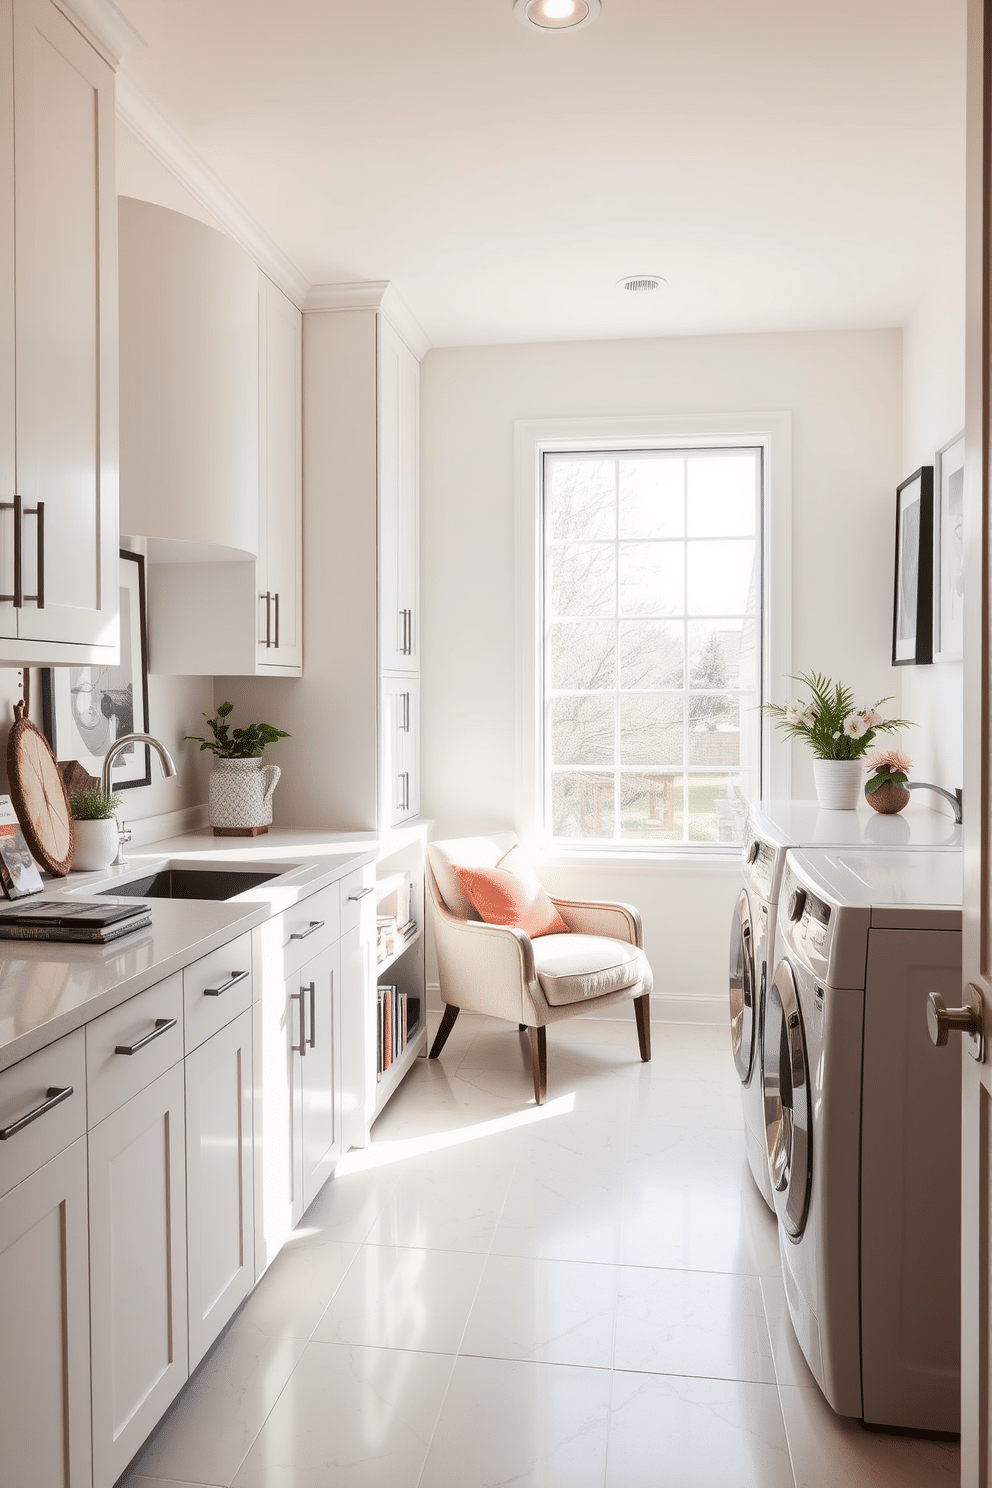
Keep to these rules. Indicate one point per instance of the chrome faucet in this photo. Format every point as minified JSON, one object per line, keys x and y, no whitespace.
{"x":954,"y":799}
{"x":168,"y":768}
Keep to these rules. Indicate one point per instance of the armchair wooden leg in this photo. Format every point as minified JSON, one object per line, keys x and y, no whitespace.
{"x":642,"y":1012}
{"x":539,"y":1062}
{"x":447,"y":1024}
{"x":522,"y":1027}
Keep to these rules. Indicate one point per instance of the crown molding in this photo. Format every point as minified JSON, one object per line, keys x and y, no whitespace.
{"x":104,"y":27}
{"x":168,"y":146}
{"x":371,"y":294}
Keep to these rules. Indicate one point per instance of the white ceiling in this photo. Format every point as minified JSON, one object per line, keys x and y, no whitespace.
{"x":785,"y":164}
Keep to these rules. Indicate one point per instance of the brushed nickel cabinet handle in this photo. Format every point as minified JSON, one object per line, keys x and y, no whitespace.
{"x":313,"y":1015}
{"x":54,"y":1096}
{"x":276,"y":597}
{"x":235,"y":978}
{"x":302,"y":934}
{"x":362,"y":893}
{"x":301,"y":1047}
{"x":162,"y":1025}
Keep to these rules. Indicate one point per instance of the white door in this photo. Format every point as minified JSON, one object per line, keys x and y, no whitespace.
{"x":137,"y":1161}
{"x":397,"y":420}
{"x":279,"y":1033}
{"x":976,"y":1135}
{"x":318,"y":983}
{"x":8,"y":615}
{"x":65,"y":224}
{"x":44,"y":1327}
{"x":219,"y":1192}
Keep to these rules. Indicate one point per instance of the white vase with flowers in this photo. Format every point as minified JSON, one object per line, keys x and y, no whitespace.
{"x":839,"y":734}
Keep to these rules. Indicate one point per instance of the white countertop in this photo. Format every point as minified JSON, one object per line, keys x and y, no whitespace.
{"x":47,"y":989}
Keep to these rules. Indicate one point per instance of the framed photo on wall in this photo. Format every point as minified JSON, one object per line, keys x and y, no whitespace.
{"x":912,"y":621}
{"x":948,"y":552}
{"x":87,"y":708}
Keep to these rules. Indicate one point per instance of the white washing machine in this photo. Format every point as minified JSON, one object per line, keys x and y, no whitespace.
{"x":771,"y":830}
{"x":862,"y":1127}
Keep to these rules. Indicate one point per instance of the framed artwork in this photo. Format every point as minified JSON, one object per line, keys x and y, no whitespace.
{"x":948,"y":552}
{"x":912,"y":619}
{"x":87,"y":708}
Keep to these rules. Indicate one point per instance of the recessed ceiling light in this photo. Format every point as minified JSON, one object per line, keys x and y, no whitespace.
{"x":641,"y":283}
{"x":555,"y":15}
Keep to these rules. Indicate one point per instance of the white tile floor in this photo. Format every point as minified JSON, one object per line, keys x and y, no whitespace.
{"x":493,"y":1293}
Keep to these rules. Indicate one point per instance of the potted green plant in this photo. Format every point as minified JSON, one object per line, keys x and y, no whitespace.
{"x":838,"y":732}
{"x":95,"y":831}
{"x":241,"y":787}
{"x":888,"y":770}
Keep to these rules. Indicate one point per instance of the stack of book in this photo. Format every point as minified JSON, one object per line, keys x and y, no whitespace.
{"x":398,"y":1017}
{"x":86,"y":922}
{"x":391,"y":937}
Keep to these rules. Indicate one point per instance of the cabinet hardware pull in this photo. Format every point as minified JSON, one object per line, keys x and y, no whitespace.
{"x":11,"y":506}
{"x":302,"y":934}
{"x":54,"y":1096}
{"x":162,"y":1025}
{"x":352,"y":898}
{"x":313,"y":1013}
{"x":301,"y":1047}
{"x":18,"y":552}
{"x":236,"y":977}
{"x":39,"y":512}
{"x":268,"y":619}
{"x":405,"y":725}
{"x":277,"y":620}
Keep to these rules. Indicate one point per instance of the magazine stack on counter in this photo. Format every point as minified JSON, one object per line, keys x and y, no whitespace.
{"x":85,"y":921}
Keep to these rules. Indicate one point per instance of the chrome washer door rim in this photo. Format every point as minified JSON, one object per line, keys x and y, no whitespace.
{"x":742,"y":1005}
{"x":788,"y":1106}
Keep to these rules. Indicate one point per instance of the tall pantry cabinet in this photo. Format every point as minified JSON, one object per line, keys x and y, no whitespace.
{"x":58,"y":342}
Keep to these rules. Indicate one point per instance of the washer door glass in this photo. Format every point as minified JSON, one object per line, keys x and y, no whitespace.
{"x":788,"y":1109}
{"x":742,"y":984}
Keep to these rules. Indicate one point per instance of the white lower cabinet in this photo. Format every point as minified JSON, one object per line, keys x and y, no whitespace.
{"x":219,"y":1206}
{"x":137,"y":1187}
{"x":44,"y":1327}
{"x":315,"y":987}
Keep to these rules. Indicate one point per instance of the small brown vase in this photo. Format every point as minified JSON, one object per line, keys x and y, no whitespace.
{"x":888,"y":798}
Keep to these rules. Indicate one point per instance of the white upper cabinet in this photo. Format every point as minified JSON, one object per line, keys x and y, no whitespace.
{"x":280,"y":506}
{"x":399,"y":534}
{"x":58,"y":342}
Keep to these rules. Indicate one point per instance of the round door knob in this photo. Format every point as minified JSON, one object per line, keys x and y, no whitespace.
{"x":943,"y":1021}
{"x":797,"y":903}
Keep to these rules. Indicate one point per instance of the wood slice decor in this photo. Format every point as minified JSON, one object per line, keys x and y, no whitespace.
{"x":39,"y":795}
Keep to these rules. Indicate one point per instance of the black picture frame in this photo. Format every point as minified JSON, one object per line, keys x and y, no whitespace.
{"x":86,"y":708}
{"x":912,"y":604}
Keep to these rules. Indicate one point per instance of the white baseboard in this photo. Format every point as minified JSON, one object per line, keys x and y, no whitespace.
{"x":712,"y":1011}
{"x":168,"y":824}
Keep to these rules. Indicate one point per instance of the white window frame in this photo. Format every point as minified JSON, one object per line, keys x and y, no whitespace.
{"x":533,"y":439}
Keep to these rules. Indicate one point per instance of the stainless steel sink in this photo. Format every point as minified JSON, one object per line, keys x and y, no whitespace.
{"x":191,"y":883}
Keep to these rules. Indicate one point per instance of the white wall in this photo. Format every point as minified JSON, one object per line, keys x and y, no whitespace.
{"x":933,"y":379}
{"x":844,"y":391}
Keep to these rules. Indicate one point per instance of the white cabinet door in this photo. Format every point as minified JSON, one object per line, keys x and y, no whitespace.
{"x":356,"y":983}
{"x":280,"y":515}
{"x":399,"y":557}
{"x":137,"y":1161}
{"x":44,"y":1327}
{"x":64,"y":534}
{"x":278,"y":1111}
{"x":317,"y":988}
{"x":400,"y":745}
{"x":219,"y":1191}
{"x":8,"y":615}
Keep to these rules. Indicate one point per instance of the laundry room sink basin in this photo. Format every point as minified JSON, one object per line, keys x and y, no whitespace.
{"x":191,"y":883}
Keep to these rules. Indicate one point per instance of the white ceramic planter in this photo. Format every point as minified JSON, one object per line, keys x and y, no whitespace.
{"x":240,"y":796}
{"x":839,"y":783}
{"x":95,"y":844}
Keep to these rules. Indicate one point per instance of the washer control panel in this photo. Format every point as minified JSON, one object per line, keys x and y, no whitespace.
{"x":761,"y":861}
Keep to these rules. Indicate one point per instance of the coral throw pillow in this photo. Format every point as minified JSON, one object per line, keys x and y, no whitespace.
{"x":503,"y":897}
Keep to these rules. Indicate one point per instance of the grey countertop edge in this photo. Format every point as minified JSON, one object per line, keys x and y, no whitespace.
{"x":344,"y":857}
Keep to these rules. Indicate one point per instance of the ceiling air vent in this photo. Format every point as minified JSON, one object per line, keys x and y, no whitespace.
{"x":640,"y":283}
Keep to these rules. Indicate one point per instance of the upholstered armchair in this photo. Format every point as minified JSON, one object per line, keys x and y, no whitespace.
{"x":501,"y":971}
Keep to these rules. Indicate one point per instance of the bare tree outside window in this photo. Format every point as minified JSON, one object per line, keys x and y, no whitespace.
{"x":652,"y":643}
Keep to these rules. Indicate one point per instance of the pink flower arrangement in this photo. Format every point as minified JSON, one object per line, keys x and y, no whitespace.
{"x":886,"y":767}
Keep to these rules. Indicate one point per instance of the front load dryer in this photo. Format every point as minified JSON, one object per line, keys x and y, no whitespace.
{"x":771,"y":830}
{"x":862,"y":1126}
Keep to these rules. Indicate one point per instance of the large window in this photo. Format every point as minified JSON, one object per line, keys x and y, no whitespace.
{"x":652,"y":644}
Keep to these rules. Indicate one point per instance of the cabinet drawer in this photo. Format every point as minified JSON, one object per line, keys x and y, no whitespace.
{"x":151,"y":1025}
{"x":216,"y":989}
{"x":34,"y":1085}
{"x":304,"y":930}
{"x":358,"y":898}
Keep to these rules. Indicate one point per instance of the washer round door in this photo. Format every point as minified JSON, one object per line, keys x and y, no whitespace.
{"x":788,"y":1107}
{"x":743,"y":1007}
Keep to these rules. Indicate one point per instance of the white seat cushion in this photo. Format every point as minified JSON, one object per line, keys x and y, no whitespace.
{"x":573,"y":968}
